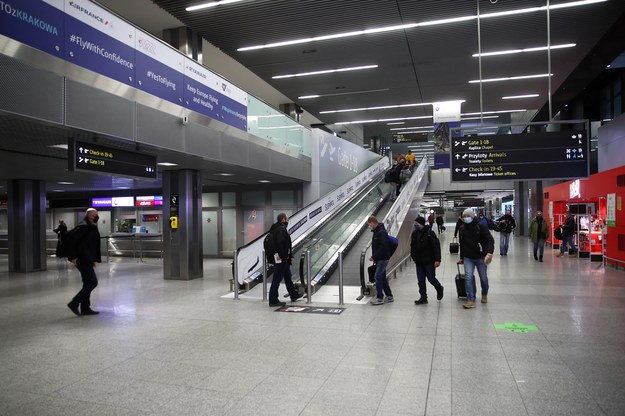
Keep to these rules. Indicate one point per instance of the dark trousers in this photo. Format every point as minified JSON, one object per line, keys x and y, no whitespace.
{"x":281,"y":271}
{"x":427,"y":271}
{"x":89,"y":282}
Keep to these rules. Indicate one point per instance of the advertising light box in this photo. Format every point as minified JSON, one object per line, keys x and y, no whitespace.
{"x":101,"y":202}
{"x":124,"y":201}
{"x":557,"y":155}
{"x":149,"y":201}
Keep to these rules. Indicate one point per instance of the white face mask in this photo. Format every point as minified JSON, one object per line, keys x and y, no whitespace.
{"x":467,"y":220}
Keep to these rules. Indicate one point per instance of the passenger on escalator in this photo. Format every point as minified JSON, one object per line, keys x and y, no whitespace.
{"x":380,"y":255}
{"x":425,"y":251}
{"x":397,"y":176}
{"x":283,"y":259}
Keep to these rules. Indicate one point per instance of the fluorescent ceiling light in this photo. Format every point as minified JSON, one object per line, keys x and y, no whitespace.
{"x":223,"y":174}
{"x":415,"y":132}
{"x":305,"y":97}
{"x":382,"y":120}
{"x":397,"y":122}
{"x":65,"y":183}
{"x":412,"y":128}
{"x":210,"y":4}
{"x":264,"y":181}
{"x":493,"y":112}
{"x":167,"y":164}
{"x":59,"y":146}
{"x":325,"y":71}
{"x":382,"y":107}
{"x":475,"y":81}
{"x":513,"y":97}
{"x":536,"y":49}
{"x":477,"y":118}
{"x":422,"y":24}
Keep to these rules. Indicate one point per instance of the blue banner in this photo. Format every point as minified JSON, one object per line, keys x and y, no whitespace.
{"x":204,"y":100}
{"x":157,"y":79}
{"x":34,"y":23}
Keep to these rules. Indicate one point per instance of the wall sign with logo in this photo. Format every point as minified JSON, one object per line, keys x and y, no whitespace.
{"x":611,"y":210}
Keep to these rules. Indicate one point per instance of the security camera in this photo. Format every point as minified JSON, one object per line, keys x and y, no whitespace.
{"x":185,"y":120}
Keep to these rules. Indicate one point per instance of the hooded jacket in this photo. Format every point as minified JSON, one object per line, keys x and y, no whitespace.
{"x":475,"y":240}
{"x":380,"y":245}
{"x":424,"y":246}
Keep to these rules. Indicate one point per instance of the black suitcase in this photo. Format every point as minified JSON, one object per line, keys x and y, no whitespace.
{"x":460,"y":287}
{"x":454,"y":247}
{"x":371,"y":272}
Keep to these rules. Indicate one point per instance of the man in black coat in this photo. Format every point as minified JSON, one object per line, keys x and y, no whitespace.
{"x":283,"y":260}
{"x":569,"y":236}
{"x":425,"y":251}
{"x":380,"y":255}
{"x":476,"y":251}
{"x":83,"y":251}
{"x":507,"y":224}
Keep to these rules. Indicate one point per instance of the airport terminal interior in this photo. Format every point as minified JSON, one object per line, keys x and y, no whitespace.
{"x":191,"y":125}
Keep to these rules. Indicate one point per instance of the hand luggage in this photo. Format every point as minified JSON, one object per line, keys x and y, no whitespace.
{"x":454,"y":247}
{"x":460,"y":287}
{"x":371,"y":272}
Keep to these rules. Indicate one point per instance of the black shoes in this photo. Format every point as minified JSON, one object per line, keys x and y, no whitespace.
{"x":421,"y":302}
{"x":73,"y":308}
{"x":277,"y":304}
{"x":540,"y":259}
{"x":295,"y":299}
{"x":439,"y":293}
{"x":535,"y":257}
{"x":89,"y":311}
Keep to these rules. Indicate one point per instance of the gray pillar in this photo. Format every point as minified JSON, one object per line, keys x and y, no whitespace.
{"x":27,"y":225}
{"x":521,"y":208}
{"x":182,"y":247}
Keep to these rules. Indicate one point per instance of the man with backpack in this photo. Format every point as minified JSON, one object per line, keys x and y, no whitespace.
{"x":568,"y":236}
{"x":282,"y":255}
{"x":507,"y":224}
{"x":476,"y":251}
{"x":425,"y":251}
{"x":82,"y":245}
{"x":380,"y":255}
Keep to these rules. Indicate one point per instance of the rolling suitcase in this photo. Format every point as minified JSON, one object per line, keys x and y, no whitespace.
{"x":454,"y":247}
{"x":460,"y":287}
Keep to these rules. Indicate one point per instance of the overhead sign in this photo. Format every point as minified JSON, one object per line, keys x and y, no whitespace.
{"x":90,"y":157}
{"x":558,"y":155}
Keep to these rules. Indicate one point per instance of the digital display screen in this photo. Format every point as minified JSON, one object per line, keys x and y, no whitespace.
{"x":90,"y":157}
{"x":557,"y":155}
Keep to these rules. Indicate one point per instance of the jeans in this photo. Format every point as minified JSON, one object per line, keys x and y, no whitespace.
{"x":381,"y":284}
{"x":281,"y":271}
{"x":539,"y":247}
{"x":469,"y":268}
{"x":570,"y":240}
{"x":427,"y":271}
{"x":504,"y":240}
{"x":89,"y":282}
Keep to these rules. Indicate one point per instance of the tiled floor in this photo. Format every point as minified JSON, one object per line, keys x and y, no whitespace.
{"x":177,"y":348}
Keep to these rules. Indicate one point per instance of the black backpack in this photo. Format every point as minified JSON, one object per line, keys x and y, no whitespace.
{"x":558,"y":234}
{"x":68,"y":240}
{"x":269,"y":245}
{"x":389,"y":175}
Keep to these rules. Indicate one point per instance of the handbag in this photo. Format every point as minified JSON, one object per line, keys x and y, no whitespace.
{"x":454,"y":247}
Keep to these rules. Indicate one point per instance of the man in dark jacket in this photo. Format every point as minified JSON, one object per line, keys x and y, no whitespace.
{"x":397,"y":176}
{"x":380,"y":255}
{"x":507,"y":224}
{"x":83,"y":251}
{"x":476,"y":251}
{"x":283,"y":259}
{"x":569,"y":236}
{"x":425,"y":251}
{"x":60,"y":232}
{"x":439,"y":223}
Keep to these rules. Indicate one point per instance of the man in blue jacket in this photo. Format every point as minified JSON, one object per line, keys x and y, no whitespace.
{"x":380,"y":255}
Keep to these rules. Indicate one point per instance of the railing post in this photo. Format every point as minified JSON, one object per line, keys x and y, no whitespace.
{"x":341,"y":278}
{"x":264,"y":276}
{"x":235,"y":285}
{"x":309,"y":278}
{"x":108,"y":254}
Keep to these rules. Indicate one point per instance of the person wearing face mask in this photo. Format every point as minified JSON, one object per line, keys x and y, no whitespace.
{"x":538,"y":234}
{"x":425,"y":251}
{"x":476,"y":251}
{"x":283,"y":260}
{"x":83,"y":251}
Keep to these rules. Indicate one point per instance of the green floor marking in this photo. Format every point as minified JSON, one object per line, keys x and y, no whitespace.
{"x":516,"y":327}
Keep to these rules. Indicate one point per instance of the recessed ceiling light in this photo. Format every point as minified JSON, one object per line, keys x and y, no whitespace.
{"x":59,"y":146}
{"x":524,"y":50}
{"x":58,"y":190}
{"x":223,"y":174}
{"x":167,"y":164}
{"x":65,"y":183}
{"x":381,"y":107}
{"x":325,"y":71}
{"x":306,"y":97}
{"x":475,"y":81}
{"x":422,"y":24}
{"x":264,"y":181}
{"x":514,"y":97}
{"x":396,"y":122}
{"x":210,"y":4}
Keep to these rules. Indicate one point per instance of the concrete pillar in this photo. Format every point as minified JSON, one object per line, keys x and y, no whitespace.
{"x":521,"y":207}
{"x":27,"y":225}
{"x":182,"y":247}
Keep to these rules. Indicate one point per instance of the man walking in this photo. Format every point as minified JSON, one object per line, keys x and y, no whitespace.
{"x":476,"y":251}
{"x":507,"y":224}
{"x":283,"y":258}
{"x":425,"y":251}
{"x":83,"y":251}
{"x":380,"y":255}
{"x":569,"y":235}
{"x":538,"y":234}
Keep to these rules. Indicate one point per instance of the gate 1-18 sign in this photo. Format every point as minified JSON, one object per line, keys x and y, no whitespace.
{"x":558,"y":155}
{"x":90,"y":157}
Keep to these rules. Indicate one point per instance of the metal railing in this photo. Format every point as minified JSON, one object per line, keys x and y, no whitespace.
{"x":133,"y":244}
